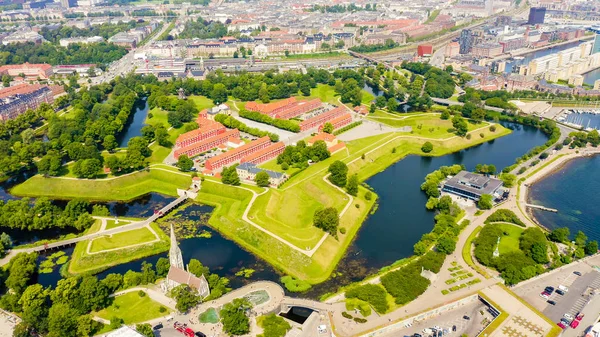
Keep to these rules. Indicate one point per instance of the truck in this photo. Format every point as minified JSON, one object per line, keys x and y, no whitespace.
{"x":187,"y":332}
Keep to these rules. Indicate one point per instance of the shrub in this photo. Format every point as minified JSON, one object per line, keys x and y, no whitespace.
{"x":469,"y":136}
{"x":505,"y":215}
{"x":360,"y":320}
{"x":346,"y":315}
{"x":481,"y":135}
{"x":493,"y":128}
{"x":368,"y":195}
{"x":427,"y":147}
{"x":405,"y":284}
{"x":544,"y":155}
{"x":141,"y":293}
{"x":343,"y":230}
{"x":362,"y":306}
{"x":295,"y":285}
{"x":372,"y":294}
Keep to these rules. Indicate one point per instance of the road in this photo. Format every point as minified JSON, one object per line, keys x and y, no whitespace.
{"x":437,"y":59}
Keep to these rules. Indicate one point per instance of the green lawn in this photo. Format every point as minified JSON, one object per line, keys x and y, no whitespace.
{"x":327,"y":94}
{"x":424,"y":125}
{"x":81,"y":262}
{"x":113,"y":224}
{"x":122,"y":188}
{"x":125,"y":239}
{"x":510,"y":242}
{"x":132,"y":308}
{"x":202,"y":102}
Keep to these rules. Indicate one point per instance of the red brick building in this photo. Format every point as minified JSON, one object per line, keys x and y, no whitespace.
{"x":298,"y":109}
{"x":322,"y":118}
{"x":31,"y":71}
{"x":207,"y":144}
{"x":425,"y":50}
{"x":18,"y":99}
{"x":339,"y":122}
{"x":207,"y":129}
{"x":265,"y":154}
{"x":271,"y":109}
{"x":236,"y":155}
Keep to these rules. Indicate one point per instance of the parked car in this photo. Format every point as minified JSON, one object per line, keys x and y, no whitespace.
{"x":579,"y":316}
{"x":549,"y":289}
{"x":577,"y":273}
{"x":551,"y":302}
{"x":561,"y":325}
{"x":569,"y":317}
{"x":560,"y":292}
{"x":466,"y":317}
{"x":545,"y":295}
{"x":574,"y":324}
{"x":158,"y":326}
{"x":454,"y":328}
{"x":563,"y":288}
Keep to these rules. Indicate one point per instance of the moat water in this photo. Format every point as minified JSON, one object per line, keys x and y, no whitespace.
{"x":134,"y":125}
{"x":385,"y":237}
{"x":573,"y":189}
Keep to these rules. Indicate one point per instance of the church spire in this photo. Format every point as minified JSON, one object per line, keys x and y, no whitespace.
{"x":175,"y":257}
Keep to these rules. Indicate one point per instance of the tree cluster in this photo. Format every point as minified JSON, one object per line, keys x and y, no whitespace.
{"x":327,"y":219}
{"x":274,"y":326}
{"x":202,"y":29}
{"x":96,"y":53}
{"x":105,"y":30}
{"x":373,"y":294}
{"x":299,"y":155}
{"x":43,"y":214}
{"x":284,"y":124}
{"x":433,"y":179}
{"x":229,"y":176}
{"x":233,"y":317}
{"x":232,"y":123}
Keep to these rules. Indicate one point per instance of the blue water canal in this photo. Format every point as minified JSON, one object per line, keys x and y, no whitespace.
{"x":135,"y":123}
{"x":386,"y":236}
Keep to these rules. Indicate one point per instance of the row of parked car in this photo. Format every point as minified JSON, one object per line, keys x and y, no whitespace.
{"x":568,"y":320}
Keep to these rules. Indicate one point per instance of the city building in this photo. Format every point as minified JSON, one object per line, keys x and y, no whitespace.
{"x":265,"y":154}
{"x":425,"y":50}
{"x":597,"y":85}
{"x":18,"y":99}
{"x":23,"y":37}
{"x":207,"y":144}
{"x":248,"y":171}
{"x":234,"y":156}
{"x":487,"y":50}
{"x":178,"y":275}
{"x":271,"y":109}
{"x":536,"y":15}
{"x":321,"y":119}
{"x":473,"y":186}
{"x":81,"y":69}
{"x":513,"y":42}
{"x":81,"y":40}
{"x":596,"y":48}
{"x":30,"y":71}
{"x":452,"y":49}
{"x":466,"y":40}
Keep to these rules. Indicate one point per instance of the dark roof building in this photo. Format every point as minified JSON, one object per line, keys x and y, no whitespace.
{"x":472,"y":185}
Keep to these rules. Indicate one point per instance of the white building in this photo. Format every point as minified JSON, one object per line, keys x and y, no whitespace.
{"x":83,"y":40}
{"x":178,"y":275}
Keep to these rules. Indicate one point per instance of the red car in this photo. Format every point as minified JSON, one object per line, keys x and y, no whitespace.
{"x":579,"y":317}
{"x":561,"y":325}
{"x":574,"y":324}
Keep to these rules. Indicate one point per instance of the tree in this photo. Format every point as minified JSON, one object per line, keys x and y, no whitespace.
{"x":327,"y":219}
{"x":372,"y":108}
{"x":163,"y":265}
{"x":460,"y":125}
{"x":35,"y":303}
{"x":352,"y":185}
{"x":219,"y":93}
{"x":485,"y":202}
{"x":229,"y":176}
{"x":62,"y":321}
{"x":185,"y":163}
{"x":339,"y":172}
{"x":392,"y":104}
{"x":21,"y":269}
{"x":380,"y":102}
{"x":110,"y":143}
{"x":427,"y":147}
{"x":560,"y":234}
{"x":112,"y":282}
{"x":446,"y":245}
{"x":85,"y":325}
{"x":580,"y":239}
{"x":328,"y":128}
{"x":197,"y":268}
{"x":445,"y":114}
{"x":233,"y":317}
{"x":144,"y":329}
{"x":161,"y":135}
{"x":274,"y":326}
{"x":591,"y":247}
{"x":262,"y":179}
{"x":186,"y":297}
{"x":305,"y":88}
{"x":478,"y":114}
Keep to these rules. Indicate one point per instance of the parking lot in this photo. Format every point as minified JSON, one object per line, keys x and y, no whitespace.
{"x":573,"y":301}
{"x":452,"y":318}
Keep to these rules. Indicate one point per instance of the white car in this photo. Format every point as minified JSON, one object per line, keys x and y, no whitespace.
{"x":569,"y":317}
{"x":544,"y":296}
{"x":563,"y":288}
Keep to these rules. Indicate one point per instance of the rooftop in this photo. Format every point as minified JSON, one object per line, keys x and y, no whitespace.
{"x":474,"y":183}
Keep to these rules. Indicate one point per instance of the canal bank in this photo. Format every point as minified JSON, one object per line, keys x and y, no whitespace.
{"x":569,"y":184}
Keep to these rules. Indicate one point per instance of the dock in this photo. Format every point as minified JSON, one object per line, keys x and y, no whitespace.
{"x":543,"y":208}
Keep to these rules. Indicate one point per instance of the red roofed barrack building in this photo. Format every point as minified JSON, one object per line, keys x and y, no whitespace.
{"x":31,"y":71}
{"x":332,"y":143}
{"x":298,"y":109}
{"x":207,"y":144}
{"x":265,"y":154}
{"x":338,"y":122}
{"x":322,"y":118}
{"x":236,"y":155}
{"x":271,"y":109}
{"x":207,"y":129}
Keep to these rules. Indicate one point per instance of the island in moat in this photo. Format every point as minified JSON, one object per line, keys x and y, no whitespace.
{"x":284,"y":161}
